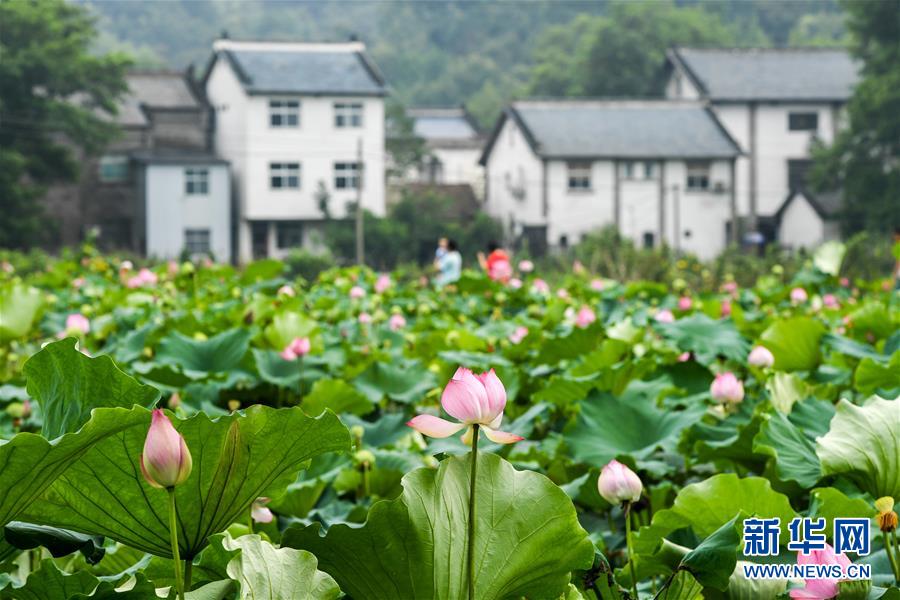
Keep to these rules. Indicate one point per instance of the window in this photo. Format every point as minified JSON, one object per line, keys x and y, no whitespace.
{"x":649,"y":170}
{"x":196,"y":241}
{"x":638,"y":169}
{"x":797,"y":173}
{"x":563,"y":241}
{"x":346,"y":175}
{"x":805,"y":121}
{"x":113,"y":169}
{"x":698,"y":175}
{"x":348,"y":114}
{"x":284,"y":113}
{"x":579,"y":176}
{"x":196,"y":182}
{"x":649,"y":239}
{"x":289,"y":234}
{"x":284,"y":176}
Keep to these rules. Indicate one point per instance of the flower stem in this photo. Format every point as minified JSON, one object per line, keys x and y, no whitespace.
{"x":471,"y":536}
{"x":173,"y":534}
{"x":630,"y":548}
{"x":889,"y":550}
{"x":300,"y":380}
{"x":188,"y":572}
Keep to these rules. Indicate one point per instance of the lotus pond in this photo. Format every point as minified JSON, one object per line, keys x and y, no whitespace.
{"x":196,"y":431}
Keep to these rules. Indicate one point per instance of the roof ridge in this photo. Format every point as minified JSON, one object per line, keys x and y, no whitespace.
{"x":772,"y":49}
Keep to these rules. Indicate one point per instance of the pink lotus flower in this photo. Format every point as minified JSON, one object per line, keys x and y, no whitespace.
{"x":286,"y":290}
{"x":585,"y":317}
{"x":726,"y":308}
{"x":526,"y":266}
{"x":518,"y":335}
{"x":297,"y":348}
{"x":845,"y":282}
{"x":78,"y":282}
{"x":562,"y":293}
{"x":685,"y":303}
{"x":820,"y":589}
{"x":382,"y":283}
{"x":798,"y":295}
{"x":172,"y":268}
{"x":166,"y":460}
{"x":831,"y":301}
{"x":730,"y":287}
{"x":761,"y":356}
{"x":357,"y":292}
{"x":259,"y":512}
{"x":364,"y":318}
{"x":664,"y":316}
{"x":515,"y":283}
{"x":145,"y":277}
{"x":578,"y":268}
{"x":597,"y":285}
{"x":77,"y":324}
{"x":396,"y":322}
{"x":727,"y":389}
{"x":684,"y":357}
{"x":472,"y":400}
{"x":540,"y":286}
{"x":617,"y":483}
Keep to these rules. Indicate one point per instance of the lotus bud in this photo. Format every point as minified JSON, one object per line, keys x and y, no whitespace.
{"x":357,"y":292}
{"x":798,"y":295}
{"x":617,"y":483}
{"x":886,"y":518}
{"x":166,"y":460}
{"x":664,"y":316}
{"x":77,"y":324}
{"x":234,"y":405}
{"x":357,"y":431}
{"x":585,"y":317}
{"x":364,"y":457}
{"x":526,"y":266}
{"x":259,"y":512}
{"x":727,"y":389}
{"x":685,"y":303}
{"x":762,"y":357}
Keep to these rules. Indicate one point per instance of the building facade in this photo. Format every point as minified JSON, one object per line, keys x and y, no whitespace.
{"x":302,"y":126}
{"x":454,"y":146}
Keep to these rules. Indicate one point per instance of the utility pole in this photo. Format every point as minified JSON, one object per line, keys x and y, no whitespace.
{"x":360,"y":173}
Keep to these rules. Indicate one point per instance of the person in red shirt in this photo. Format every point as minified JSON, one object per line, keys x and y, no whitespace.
{"x":497,"y":264}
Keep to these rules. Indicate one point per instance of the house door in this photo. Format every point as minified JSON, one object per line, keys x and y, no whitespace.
{"x":259,"y":234}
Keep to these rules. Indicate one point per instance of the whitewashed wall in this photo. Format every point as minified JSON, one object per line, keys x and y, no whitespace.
{"x":512,"y":163}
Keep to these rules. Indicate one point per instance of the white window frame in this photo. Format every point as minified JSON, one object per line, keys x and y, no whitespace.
{"x":346,"y":175}
{"x":578,"y":176}
{"x":698,"y":176}
{"x":803,"y":114}
{"x":348,"y":115}
{"x":191,"y":245}
{"x":278,"y":234}
{"x":285,"y":172}
{"x":286,"y":111}
{"x":196,"y":181}
{"x":117,"y":162}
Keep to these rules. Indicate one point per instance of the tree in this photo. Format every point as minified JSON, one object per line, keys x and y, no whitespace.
{"x":405,"y":148}
{"x":53,"y":94}
{"x":864,"y":160}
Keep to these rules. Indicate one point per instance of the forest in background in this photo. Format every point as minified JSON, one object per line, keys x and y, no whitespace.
{"x":481,"y":53}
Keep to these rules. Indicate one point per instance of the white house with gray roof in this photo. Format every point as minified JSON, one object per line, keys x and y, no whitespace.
{"x":659,"y":170}
{"x":302,"y":125}
{"x":773,"y":102}
{"x":454,"y":146}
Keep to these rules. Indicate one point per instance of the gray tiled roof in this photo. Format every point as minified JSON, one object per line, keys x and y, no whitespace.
{"x":623,"y":129}
{"x":157,"y":89}
{"x":305,"y":72}
{"x":771,"y":74}
{"x":176,"y":156}
{"x":442,"y":123}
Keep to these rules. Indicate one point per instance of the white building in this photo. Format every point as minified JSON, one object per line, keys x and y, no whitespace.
{"x":302,"y":125}
{"x":661,"y":171}
{"x":806,"y":220}
{"x":773,"y":102}
{"x":454,"y":146}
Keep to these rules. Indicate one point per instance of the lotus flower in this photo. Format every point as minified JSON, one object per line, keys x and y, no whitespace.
{"x":726,"y":308}
{"x":382,"y":283}
{"x":286,"y":290}
{"x":562,"y":293}
{"x":357,"y":292}
{"x":166,"y":460}
{"x":730,"y":287}
{"x":684,"y":357}
{"x":820,"y":589}
{"x":664,"y":316}
{"x":761,"y":356}
{"x":296,"y":348}
{"x":364,"y":318}
{"x":830,"y":301}
{"x":618,"y":483}
{"x":397,"y":322}
{"x":518,"y":335}
{"x":145,"y":277}
{"x":845,"y":282}
{"x":798,"y":295}
{"x":78,"y":282}
{"x":540,"y":286}
{"x":597,"y":285}
{"x":585,"y":317}
{"x":515,"y":283}
{"x":727,"y":389}
{"x":78,"y":324}
{"x":526,"y":266}
{"x":473,"y":400}
{"x":259,"y":512}
{"x":685,"y":303}
{"x":578,"y":268}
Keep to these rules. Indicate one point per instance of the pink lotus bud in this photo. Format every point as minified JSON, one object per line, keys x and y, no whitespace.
{"x":382,"y":283}
{"x":831,"y":301}
{"x":578,"y":268}
{"x":685,"y":303}
{"x":726,"y":308}
{"x":259,"y":512}
{"x":174,"y":401}
{"x":597,"y":285}
{"x":78,"y":282}
{"x":78,"y":324}
{"x":762,"y":357}
{"x":562,"y":293}
{"x":365,"y":318}
{"x":515,"y":283}
{"x":397,"y":322}
{"x":148,"y":277}
{"x":296,"y":348}
{"x":166,"y":460}
{"x":617,"y":483}
{"x":730,"y":287}
{"x":526,"y":266}
{"x":286,"y":290}
{"x":886,"y":285}
{"x":798,"y":295}
{"x":125,"y":265}
{"x":664,"y":316}
{"x":820,"y":589}
{"x":519,"y":334}
{"x":585,"y":317}
{"x":540,"y":286}
{"x":357,"y":292}
{"x":684,"y":357}
{"x":845,"y":282}
{"x":727,"y":389}
{"x":172,"y":268}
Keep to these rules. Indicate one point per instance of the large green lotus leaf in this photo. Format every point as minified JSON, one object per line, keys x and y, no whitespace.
{"x":49,"y":582}
{"x":709,"y":504}
{"x":706,"y":338}
{"x":610,"y":426}
{"x":265,"y":571}
{"x":401,"y":383}
{"x":872,"y":318}
{"x":793,"y":451}
{"x":863,"y":444}
{"x":338,"y":396}
{"x":845,"y":345}
{"x":830,"y":504}
{"x":712,"y":562}
{"x":527,"y":537}
{"x":276,"y":370}
{"x":872,"y":376}
{"x":289,"y":325}
{"x":68,"y":385}
{"x":222,"y":352}
{"x":682,"y":587}
{"x":236,"y":459}
{"x":741,"y":588}
{"x":829,"y":256}
{"x":794,"y":343}
{"x":785,"y":389}
{"x":19,"y":305}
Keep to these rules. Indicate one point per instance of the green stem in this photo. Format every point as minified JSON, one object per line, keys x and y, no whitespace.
{"x":630,"y":549}
{"x":471,"y":537}
{"x":173,"y":534}
{"x":188,"y":571}
{"x":889,"y":550}
{"x":300,"y":380}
